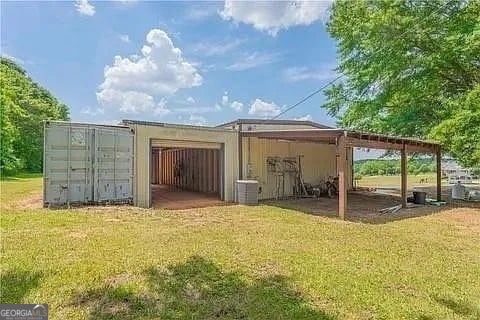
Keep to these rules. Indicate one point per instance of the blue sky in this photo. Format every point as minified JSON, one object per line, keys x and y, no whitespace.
{"x":200,"y":63}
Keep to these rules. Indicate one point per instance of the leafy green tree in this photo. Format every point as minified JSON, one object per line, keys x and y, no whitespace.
{"x":411,"y":68}
{"x":460,"y":134}
{"x":23,"y":107}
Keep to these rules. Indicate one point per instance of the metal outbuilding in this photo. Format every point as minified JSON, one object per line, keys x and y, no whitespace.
{"x":139,"y":160}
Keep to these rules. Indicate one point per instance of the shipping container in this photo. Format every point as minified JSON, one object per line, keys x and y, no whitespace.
{"x":86,"y":163}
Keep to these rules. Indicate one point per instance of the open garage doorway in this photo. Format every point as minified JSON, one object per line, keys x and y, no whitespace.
{"x":186,"y":176}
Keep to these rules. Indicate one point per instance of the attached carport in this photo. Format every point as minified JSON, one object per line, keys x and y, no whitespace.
{"x":206,"y":156}
{"x":345,"y":139}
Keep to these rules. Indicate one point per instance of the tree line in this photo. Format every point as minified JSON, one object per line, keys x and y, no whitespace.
{"x":380,"y":167}
{"x":24,"y":105}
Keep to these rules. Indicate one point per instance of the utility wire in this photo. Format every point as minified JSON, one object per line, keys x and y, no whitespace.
{"x":343,"y":75}
{"x":307,"y":97}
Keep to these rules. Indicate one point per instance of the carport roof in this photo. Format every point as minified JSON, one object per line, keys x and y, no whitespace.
{"x":353,"y":138}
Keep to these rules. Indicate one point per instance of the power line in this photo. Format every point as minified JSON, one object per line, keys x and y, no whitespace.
{"x":343,"y":75}
{"x":308,"y":97}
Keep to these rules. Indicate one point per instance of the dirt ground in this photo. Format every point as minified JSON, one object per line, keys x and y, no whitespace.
{"x":364,"y":206}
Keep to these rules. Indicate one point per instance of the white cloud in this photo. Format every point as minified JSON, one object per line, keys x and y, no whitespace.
{"x":134,"y":84}
{"x":225,"y":98}
{"x":190,"y":100}
{"x":237,"y":106}
{"x":197,"y":109}
{"x":273,"y":16}
{"x":264,"y":109}
{"x":124,"y":38}
{"x":127,"y":2}
{"x":126,"y":101}
{"x":296,"y":74}
{"x":253,"y":60}
{"x":201,"y":12}
{"x":84,"y":7}
{"x":92,"y":112}
{"x":306,"y":117}
{"x":197,"y":120}
{"x":210,"y":49}
{"x":161,"y":108}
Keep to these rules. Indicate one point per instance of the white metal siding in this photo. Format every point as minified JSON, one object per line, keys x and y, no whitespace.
{"x":147,"y":135}
{"x":318,"y":162}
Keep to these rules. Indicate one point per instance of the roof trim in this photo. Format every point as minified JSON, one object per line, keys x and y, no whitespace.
{"x":285,"y":122}
{"x":127,"y":122}
{"x":70,"y":123}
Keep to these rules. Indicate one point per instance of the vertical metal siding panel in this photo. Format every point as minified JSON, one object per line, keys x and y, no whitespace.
{"x":216,"y":168}
{"x":158,"y":166}
{"x":184,"y":168}
{"x":187,"y":169}
{"x":153,"y":179}
{"x":177,"y":173}
{"x":170,"y":168}
{"x":203,"y":172}
{"x":162,"y":155}
{"x":198,"y":164}
{"x":170,"y":159}
{"x":167,"y":167}
{"x":154,"y":166}
{"x":207,"y":171}
{"x":196,"y":170}
{"x":210,"y":170}
{"x":179,"y":159}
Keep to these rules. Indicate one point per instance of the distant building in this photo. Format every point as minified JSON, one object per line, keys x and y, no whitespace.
{"x":455,"y":172}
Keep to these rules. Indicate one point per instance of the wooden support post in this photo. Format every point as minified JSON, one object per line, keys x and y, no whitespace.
{"x":438,"y":157}
{"x":403,"y":173}
{"x":342,"y":176}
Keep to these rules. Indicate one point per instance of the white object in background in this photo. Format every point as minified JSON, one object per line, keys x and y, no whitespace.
{"x":458,"y":191}
{"x":474,"y":195}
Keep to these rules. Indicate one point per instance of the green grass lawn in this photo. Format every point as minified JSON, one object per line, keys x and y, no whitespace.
{"x":235,"y":262}
{"x":395,"y":181}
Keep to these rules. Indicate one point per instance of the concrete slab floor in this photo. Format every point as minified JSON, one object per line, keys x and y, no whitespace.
{"x":172,"y":198}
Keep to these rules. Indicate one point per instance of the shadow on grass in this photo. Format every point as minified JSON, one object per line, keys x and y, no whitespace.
{"x":15,"y":285}
{"x":198,"y":289}
{"x":461,"y":308}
